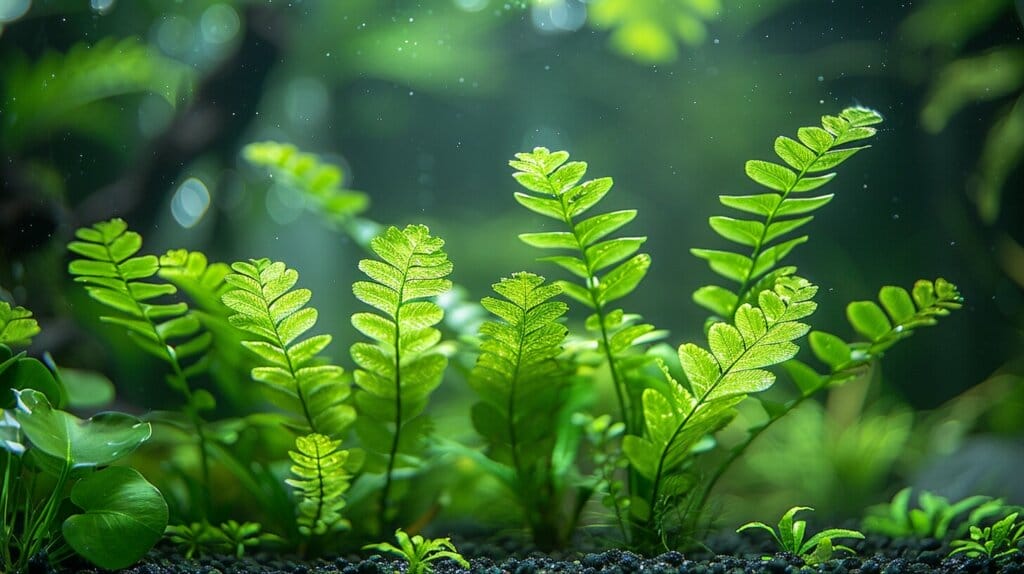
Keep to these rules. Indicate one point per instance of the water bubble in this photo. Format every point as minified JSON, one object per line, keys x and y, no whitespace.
{"x":190,"y":202}
{"x":471,"y":5}
{"x":102,"y":6}
{"x":11,"y":10}
{"x":219,"y":24}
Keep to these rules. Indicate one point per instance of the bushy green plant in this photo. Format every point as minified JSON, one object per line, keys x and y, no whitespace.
{"x":998,"y":541}
{"x":118,"y":516}
{"x":791,"y":537}
{"x":420,"y":552}
{"x":536,"y":383}
{"x":933,"y":517}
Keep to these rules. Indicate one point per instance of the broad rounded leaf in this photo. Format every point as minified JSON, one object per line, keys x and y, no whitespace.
{"x":98,"y":441}
{"x":124,"y":517}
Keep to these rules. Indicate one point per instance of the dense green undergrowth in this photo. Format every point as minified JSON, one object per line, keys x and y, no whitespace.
{"x":318,"y":444}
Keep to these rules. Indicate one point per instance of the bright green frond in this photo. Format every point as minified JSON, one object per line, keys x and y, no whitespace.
{"x":321,"y":481}
{"x":518,"y":376}
{"x":719,"y":378}
{"x":895,"y":317}
{"x":607,"y":268}
{"x":17,"y":327}
{"x":321,"y":183}
{"x":402,"y":365}
{"x":779,"y":212}
{"x":120,"y":279}
{"x":190,"y":272}
{"x":274,"y":317}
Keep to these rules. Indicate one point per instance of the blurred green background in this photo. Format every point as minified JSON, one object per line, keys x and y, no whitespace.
{"x":422,"y":103}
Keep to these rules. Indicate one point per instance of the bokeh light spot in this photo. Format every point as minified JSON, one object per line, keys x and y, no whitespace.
{"x":219,"y":24}
{"x":190,"y":202}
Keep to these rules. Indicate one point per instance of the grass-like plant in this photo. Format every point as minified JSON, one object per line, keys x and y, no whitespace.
{"x":933,"y":517}
{"x":999,"y":541}
{"x":420,"y":552}
{"x":791,"y":536}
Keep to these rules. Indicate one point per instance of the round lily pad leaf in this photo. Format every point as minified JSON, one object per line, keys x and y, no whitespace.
{"x":98,"y":441}
{"x":124,"y":517}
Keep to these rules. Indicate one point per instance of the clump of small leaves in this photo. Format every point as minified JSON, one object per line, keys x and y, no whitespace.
{"x":199,"y":538}
{"x":998,"y":541}
{"x":932,"y":518}
{"x":790,"y":537}
{"x":420,"y":552}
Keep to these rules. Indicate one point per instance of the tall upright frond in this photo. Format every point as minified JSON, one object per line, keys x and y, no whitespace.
{"x":321,"y":481}
{"x":521,"y":383}
{"x":780,"y":212}
{"x":121,"y":280}
{"x":17,"y":327}
{"x":115,"y":275}
{"x":607,"y":269}
{"x":402,"y":366}
{"x":275,"y":317}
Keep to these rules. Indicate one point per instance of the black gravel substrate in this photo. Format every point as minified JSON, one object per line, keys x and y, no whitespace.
{"x":887,"y":557}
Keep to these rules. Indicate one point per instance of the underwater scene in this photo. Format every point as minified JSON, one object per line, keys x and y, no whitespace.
{"x":512,"y":286}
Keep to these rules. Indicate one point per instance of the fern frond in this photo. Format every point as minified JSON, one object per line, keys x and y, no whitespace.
{"x":17,"y":327}
{"x":192,"y":273}
{"x":121,"y":280}
{"x":719,"y":379}
{"x":267,"y":307}
{"x":904,"y":312}
{"x":319,"y":182}
{"x":42,"y":95}
{"x":399,"y":370}
{"x":884,"y":325}
{"x":116,"y":277}
{"x":518,"y":377}
{"x":321,"y":481}
{"x":819,"y":150}
{"x":608,"y":269}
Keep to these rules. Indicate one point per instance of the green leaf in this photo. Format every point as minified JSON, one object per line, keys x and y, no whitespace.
{"x":771,"y":175}
{"x":320,"y":183}
{"x":742,"y":231}
{"x":520,"y":380}
{"x":112,"y":271}
{"x":78,"y":443}
{"x":124,"y":517}
{"x":272,"y":316}
{"x":321,"y":481}
{"x":817,"y":150}
{"x":830,"y":349}
{"x":396,"y":377}
{"x":868,"y":319}
{"x":17,"y":327}
{"x":794,"y":153}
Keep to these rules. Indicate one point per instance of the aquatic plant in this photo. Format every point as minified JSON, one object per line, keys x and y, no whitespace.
{"x":115,"y":276}
{"x":420,"y":552}
{"x":59,"y":494}
{"x":524,"y":387}
{"x":400,"y":369}
{"x":933,"y":517}
{"x":998,"y":541}
{"x":790,"y":536}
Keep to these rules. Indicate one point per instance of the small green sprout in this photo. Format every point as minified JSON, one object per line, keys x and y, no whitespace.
{"x":790,"y":537}
{"x":235,"y":537}
{"x":998,"y":541}
{"x":932,"y":519}
{"x":420,"y":552}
